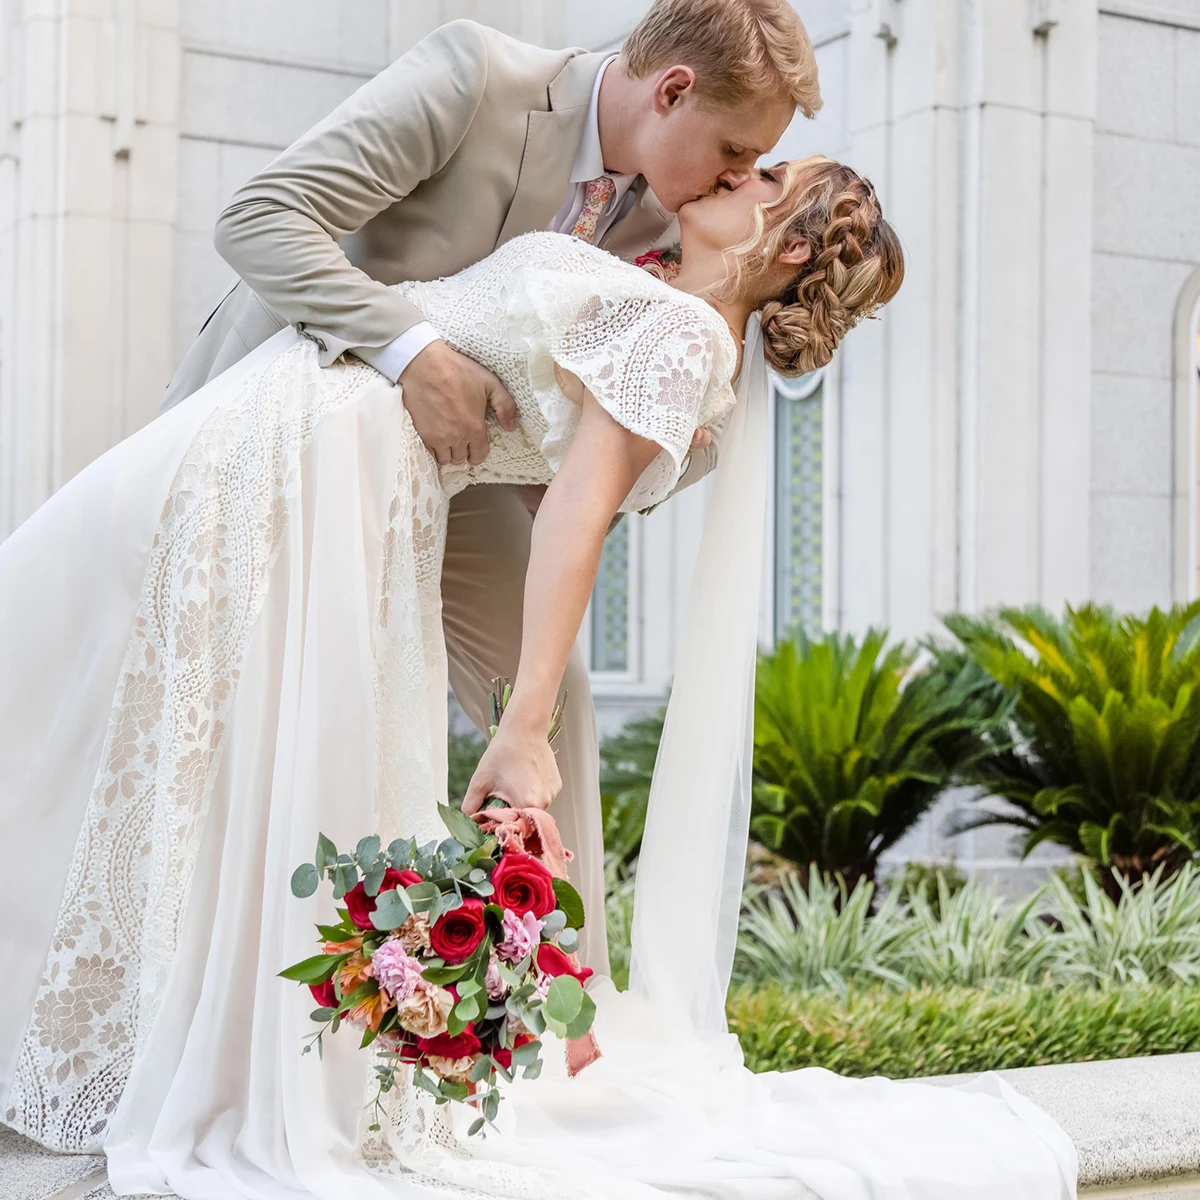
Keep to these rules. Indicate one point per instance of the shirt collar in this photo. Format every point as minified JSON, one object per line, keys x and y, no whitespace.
{"x":589,"y":158}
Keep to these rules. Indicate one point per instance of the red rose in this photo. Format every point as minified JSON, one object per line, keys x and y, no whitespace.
{"x":463,"y":1045}
{"x":523,"y":885}
{"x":553,"y":962}
{"x":323,"y":994}
{"x":457,"y":934}
{"x":504,"y":1057}
{"x":361,"y":905}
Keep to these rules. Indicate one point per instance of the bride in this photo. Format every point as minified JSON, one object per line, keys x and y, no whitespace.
{"x":224,"y":636}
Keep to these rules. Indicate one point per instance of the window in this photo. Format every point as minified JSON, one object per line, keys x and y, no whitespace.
{"x":799,"y":509}
{"x":609,"y":627}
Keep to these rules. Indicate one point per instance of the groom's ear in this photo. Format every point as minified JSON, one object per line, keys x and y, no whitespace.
{"x":671,"y":87}
{"x":796,"y":252}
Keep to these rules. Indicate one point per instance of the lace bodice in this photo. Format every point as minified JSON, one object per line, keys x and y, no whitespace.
{"x":546,"y":306}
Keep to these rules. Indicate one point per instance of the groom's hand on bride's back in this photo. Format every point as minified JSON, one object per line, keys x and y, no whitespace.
{"x":448,"y":395}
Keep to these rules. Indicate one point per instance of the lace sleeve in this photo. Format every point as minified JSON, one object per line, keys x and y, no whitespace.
{"x":655,"y":361}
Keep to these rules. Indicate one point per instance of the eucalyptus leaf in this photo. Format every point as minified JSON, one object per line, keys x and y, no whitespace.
{"x":444,"y":975}
{"x":305,"y":880}
{"x":533,"y":1070}
{"x":469,"y":988}
{"x":523,"y":1055}
{"x":392,"y":909}
{"x":401,"y":851}
{"x":452,"y":850}
{"x":552,"y":923}
{"x":477,"y":875}
{"x":326,"y":854}
{"x":322,"y":1014}
{"x":373,"y":878}
{"x":468,"y":1009}
{"x":481,"y":1070}
{"x":568,"y":941}
{"x":491,"y":1104}
{"x":475,"y":1126}
{"x":583,"y":1022}
{"x":563,"y":1000}
{"x":453,"y":1090}
{"x":367,"y":850}
{"x":423,"y":896}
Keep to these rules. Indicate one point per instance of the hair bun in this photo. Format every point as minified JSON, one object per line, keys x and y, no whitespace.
{"x":793,"y":342}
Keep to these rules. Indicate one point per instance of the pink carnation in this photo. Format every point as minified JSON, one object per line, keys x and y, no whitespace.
{"x":396,"y":970}
{"x":520,"y":935}
{"x":494,"y":985}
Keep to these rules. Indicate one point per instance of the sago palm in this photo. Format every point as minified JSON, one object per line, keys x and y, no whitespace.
{"x":1106,"y":754}
{"x":851,"y":746}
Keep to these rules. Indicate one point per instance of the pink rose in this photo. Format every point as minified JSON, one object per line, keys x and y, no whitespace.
{"x":494,"y":984}
{"x":519,"y":935}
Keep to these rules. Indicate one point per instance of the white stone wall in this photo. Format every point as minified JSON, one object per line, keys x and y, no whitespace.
{"x":1147,"y":246}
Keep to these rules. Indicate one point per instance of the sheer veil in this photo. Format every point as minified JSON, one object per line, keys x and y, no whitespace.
{"x":692,"y":863}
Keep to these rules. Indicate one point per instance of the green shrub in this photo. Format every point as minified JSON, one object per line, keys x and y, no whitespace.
{"x":814,"y":935}
{"x":820,"y":936}
{"x":851,"y":746}
{"x":951,"y":1030}
{"x":1106,"y":727}
{"x":465,"y":750}
{"x":626,"y":768}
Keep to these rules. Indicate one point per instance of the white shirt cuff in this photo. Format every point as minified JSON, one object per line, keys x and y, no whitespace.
{"x":393,"y":359}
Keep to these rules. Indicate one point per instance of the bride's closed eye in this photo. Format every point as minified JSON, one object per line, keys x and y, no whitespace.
{"x":768,"y":173}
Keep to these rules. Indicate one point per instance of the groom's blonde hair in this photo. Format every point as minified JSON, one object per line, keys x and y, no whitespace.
{"x":739,"y":49}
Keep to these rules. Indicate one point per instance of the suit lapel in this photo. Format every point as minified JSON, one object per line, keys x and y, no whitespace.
{"x":552,"y":138}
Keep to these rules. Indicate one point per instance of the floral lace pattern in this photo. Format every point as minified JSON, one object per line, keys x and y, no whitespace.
{"x":659,"y":361}
{"x":128,"y":883}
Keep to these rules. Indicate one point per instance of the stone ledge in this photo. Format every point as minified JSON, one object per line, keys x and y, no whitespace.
{"x":1134,"y":1121}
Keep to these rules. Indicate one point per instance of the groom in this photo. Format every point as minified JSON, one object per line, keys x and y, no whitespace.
{"x":466,"y":141}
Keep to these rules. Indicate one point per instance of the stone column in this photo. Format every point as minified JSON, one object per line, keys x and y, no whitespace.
{"x":967,"y":408}
{"x":87,"y":205}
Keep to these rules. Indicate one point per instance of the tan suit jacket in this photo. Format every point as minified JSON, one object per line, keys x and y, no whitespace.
{"x":463,"y":143}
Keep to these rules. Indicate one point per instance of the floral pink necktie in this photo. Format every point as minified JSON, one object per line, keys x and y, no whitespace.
{"x":596,"y":195}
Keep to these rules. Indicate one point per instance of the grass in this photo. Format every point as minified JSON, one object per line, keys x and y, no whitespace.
{"x":935,"y":1031}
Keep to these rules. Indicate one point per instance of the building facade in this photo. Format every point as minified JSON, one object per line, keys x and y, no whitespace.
{"x":1021,"y":426}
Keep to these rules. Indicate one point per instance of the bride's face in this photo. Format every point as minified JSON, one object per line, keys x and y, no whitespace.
{"x":726,"y":218}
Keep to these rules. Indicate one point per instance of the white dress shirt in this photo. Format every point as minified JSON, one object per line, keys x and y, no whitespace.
{"x":393,"y":358}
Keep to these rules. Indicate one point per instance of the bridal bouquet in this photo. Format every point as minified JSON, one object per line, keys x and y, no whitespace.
{"x":452,"y":957}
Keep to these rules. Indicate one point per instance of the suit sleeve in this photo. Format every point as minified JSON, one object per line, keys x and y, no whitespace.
{"x":281,"y":230}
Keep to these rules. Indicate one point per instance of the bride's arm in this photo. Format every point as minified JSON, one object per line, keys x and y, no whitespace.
{"x":602,"y":463}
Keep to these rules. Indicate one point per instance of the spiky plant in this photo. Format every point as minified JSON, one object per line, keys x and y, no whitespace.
{"x":852,"y":745}
{"x":1106,"y":754}
{"x":626,"y":768}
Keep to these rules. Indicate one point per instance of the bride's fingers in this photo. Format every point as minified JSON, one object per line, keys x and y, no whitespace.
{"x":701,"y":438}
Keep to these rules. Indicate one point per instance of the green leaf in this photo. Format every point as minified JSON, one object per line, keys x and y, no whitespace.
{"x":373,"y":878}
{"x":533,"y":1070}
{"x":317,"y":969}
{"x":423,"y":896}
{"x":369,"y":1035}
{"x":326,"y":855}
{"x":491,"y":1104}
{"x":475,"y":1126}
{"x":453,"y":1090}
{"x":481,"y":1070}
{"x":444,"y":975}
{"x":469,"y":988}
{"x":401,"y":851}
{"x":552,"y":923}
{"x":461,"y":827}
{"x":321,"y":1014}
{"x":563,"y":1001}
{"x":583,"y":1022}
{"x":338,"y":933}
{"x":392,"y":909}
{"x":570,"y":902}
{"x":305,"y":880}
{"x":469,"y":1009}
{"x":523,"y":1055}
{"x":367,"y":850}
{"x":568,"y":941}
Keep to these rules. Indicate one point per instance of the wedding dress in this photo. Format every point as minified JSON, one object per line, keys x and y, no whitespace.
{"x":223,"y":637}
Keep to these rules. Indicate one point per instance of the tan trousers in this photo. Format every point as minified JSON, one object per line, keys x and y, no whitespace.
{"x":483,"y":586}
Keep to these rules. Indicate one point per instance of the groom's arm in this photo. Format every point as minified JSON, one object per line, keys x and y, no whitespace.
{"x":281,"y":230}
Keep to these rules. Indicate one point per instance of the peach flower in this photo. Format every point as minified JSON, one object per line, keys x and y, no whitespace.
{"x":426,"y":1012}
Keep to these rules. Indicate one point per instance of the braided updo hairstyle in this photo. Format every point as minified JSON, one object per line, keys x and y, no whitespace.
{"x":856,"y":265}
